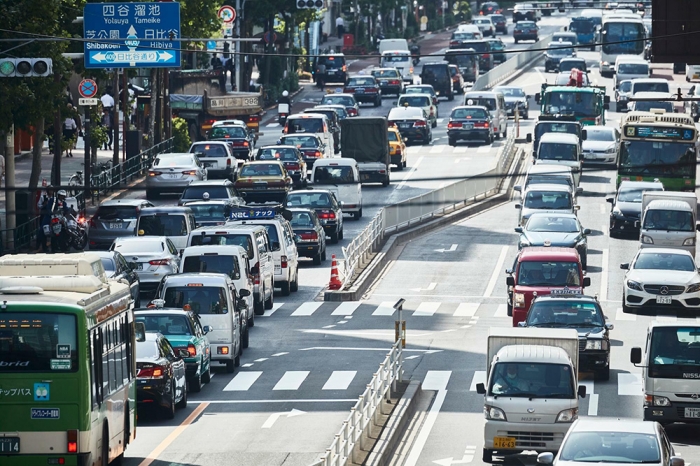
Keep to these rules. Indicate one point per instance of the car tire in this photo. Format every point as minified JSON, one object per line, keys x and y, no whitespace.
{"x":229,"y":367}
{"x":487,"y":455}
{"x":378,"y":102}
{"x":341,"y":235}
{"x":318,"y":258}
{"x":258,"y":307}
{"x":182,"y":404}
{"x":357,"y":215}
{"x":323,"y":254}
{"x":206,"y":377}
{"x":334,"y":238}
{"x":452,"y":141}
{"x":509,"y":310}
{"x":404,"y":166}
{"x":245,"y":338}
{"x":294,"y":287}
{"x":195,"y":384}
{"x":451,"y":97}
{"x":271,"y":301}
{"x":625,"y":308}
{"x":603,"y":374}
{"x":237,"y":359}
{"x":515,"y":40}
{"x":285,"y":287}
{"x":399,"y":166}
{"x":169,"y":412}
{"x":526,"y":116}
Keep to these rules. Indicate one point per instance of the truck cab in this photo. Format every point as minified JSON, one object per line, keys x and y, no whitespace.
{"x":669,"y":220}
{"x":562,"y":150}
{"x":555,"y":124}
{"x":541,"y":271}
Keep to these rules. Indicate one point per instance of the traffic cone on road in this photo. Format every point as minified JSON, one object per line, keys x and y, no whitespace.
{"x":335,"y":283}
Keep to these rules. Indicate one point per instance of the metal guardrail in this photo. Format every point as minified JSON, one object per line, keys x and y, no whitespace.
{"x":358,"y":253}
{"x":355,"y":428}
{"x":102,"y":183}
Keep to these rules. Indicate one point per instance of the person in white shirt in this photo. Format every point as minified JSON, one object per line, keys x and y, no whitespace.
{"x":107,"y":101}
{"x":340,"y":26}
{"x":69,"y":130}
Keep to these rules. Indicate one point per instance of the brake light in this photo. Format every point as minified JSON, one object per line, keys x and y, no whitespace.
{"x":485,"y":55}
{"x":309,"y":236}
{"x":72,"y":441}
{"x":352,"y":111}
{"x":370,"y":90}
{"x":160,"y":262}
{"x":253,"y":119}
{"x":228,"y":162}
{"x":189,"y":172}
{"x":209,"y":122}
{"x":192,"y":350}
{"x":454,"y":42}
{"x":240,"y":144}
{"x":150,"y":371}
{"x":154,"y":173}
{"x":481,"y":125}
{"x":394,"y":81}
{"x":349,"y":90}
{"x":317,"y":153}
{"x":55,"y":220}
{"x":419,"y":124}
{"x":256,"y":273}
{"x":398,"y":152}
{"x":284,"y":262}
{"x":327,"y":215}
{"x":454,"y":124}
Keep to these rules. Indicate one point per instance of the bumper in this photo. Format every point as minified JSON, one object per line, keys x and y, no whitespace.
{"x":373,"y":177}
{"x":178,"y":185}
{"x":366,"y":98}
{"x":673,"y":413}
{"x":624,"y":224}
{"x":414,"y":134}
{"x":537,"y":437}
{"x":332,"y":77}
{"x":593,"y":360}
{"x":281,"y":275}
{"x":469,"y":134}
{"x":396,"y":159}
{"x":192,"y":369}
{"x":525,"y":37}
{"x":264,"y":195}
{"x":641,"y":299}
{"x":215,"y":173}
{"x":151,"y":392}
{"x":42,"y":459}
{"x":330,"y":228}
{"x":386,"y":89}
{"x":599,"y":157}
{"x":308,"y":249}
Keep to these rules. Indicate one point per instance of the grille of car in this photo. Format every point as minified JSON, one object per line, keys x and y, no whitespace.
{"x":532,"y":439}
{"x":672,"y":289}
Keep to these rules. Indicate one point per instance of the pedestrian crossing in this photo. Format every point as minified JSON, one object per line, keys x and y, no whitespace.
{"x":289,"y":381}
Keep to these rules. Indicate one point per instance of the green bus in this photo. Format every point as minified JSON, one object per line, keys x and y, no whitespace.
{"x":67,"y":362}
{"x":658,"y":146}
{"x":586,"y":104}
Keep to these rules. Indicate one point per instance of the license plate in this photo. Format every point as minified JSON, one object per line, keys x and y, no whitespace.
{"x":382,"y":83}
{"x":404,"y":125}
{"x":468,"y":126}
{"x":115,"y":226}
{"x":693,"y":413}
{"x":9,"y":445}
{"x":504,"y":442}
{"x":663,"y":300}
{"x":171,"y":176}
{"x":278,"y":269}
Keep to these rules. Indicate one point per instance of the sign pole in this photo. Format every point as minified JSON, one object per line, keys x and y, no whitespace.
{"x":87,"y":157}
{"x":237,"y":56}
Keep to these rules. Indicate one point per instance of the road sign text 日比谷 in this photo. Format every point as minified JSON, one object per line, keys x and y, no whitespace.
{"x":132,"y":35}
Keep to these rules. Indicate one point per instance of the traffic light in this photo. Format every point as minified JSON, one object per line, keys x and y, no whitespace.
{"x":25,"y":67}
{"x":318,"y":4}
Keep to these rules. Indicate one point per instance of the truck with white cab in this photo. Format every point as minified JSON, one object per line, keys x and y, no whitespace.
{"x":366,"y":139}
{"x":669,"y":220}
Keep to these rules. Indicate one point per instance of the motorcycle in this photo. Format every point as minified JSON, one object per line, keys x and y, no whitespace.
{"x":415,"y":53}
{"x":282,"y":113}
{"x":66,"y":232}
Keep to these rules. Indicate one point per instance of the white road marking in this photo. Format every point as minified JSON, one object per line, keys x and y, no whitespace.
{"x":496,"y":272}
{"x":603,"y":296}
{"x":629,"y":384}
{"x":466,"y":310}
{"x":261,"y":359}
{"x":431,"y":287}
{"x":274,"y":416}
{"x":342,"y":321}
{"x":346,"y":308}
{"x":328,"y":326}
{"x":467,"y":458}
{"x":339,"y":380}
{"x":592,"y":397}
{"x":272,"y":125}
{"x":410,"y":173}
{"x":337,"y":348}
{"x":619,"y":315}
{"x":275,"y":306}
{"x":434,"y":380}
{"x":291,"y":380}
{"x":479,"y":377}
{"x":306,"y":309}
{"x":297,"y":400}
{"x":452,"y":248}
{"x":242,"y":381}
{"x":502,"y":311}
{"x":411,"y":357}
{"x":426,"y":309}
{"x":250,"y":364}
{"x":484,"y":149}
{"x":279,"y":354}
{"x":460,"y":150}
{"x":439,"y":149}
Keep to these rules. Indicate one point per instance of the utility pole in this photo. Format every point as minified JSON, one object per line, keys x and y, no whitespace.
{"x":115,"y":117}
{"x":87,"y":158}
{"x":237,"y":56}
{"x":10,"y":205}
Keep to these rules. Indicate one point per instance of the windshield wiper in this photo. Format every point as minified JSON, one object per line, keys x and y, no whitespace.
{"x":543,"y":324}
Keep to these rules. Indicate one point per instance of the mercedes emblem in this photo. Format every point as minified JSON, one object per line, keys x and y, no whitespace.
{"x":663,"y":289}
{"x":695,"y":396}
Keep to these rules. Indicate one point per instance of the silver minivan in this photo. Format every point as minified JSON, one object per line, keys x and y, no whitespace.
{"x":496,"y":104}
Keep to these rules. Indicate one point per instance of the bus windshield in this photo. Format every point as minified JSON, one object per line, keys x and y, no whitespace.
{"x":657,"y":158}
{"x":580,"y":104}
{"x":616,"y":34}
{"x":38,"y":342}
{"x":675,"y":353}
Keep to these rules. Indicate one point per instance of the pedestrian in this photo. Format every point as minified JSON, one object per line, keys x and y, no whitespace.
{"x":216,"y":62}
{"x":340,"y":26}
{"x":107,"y":100}
{"x":70,"y":128}
{"x":106,"y":122}
{"x":44,"y":216}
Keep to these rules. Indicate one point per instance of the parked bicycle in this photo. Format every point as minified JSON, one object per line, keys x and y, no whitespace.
{"x":76,"y":182}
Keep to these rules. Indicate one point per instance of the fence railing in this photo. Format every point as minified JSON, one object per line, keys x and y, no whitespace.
{"x":402,"y":215}
{"x":20,"y":238}
{"x":366,"y":411}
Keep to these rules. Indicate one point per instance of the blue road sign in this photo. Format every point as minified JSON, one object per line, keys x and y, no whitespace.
{"x":132,"y":35}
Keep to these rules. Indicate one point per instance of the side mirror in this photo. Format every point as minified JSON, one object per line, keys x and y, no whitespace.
{"x":517,"y":188}
{"x":584,"y":134}
{"x":691,"y":91}
{"x":545,"y":458}
{"x":244,"y":293}
{"x":697,"y":226}
{"x":586,"y":231}
{"x":582,"y":391}
{"x":522,"y":324}
{"x":481,"y":389}
{"x":528,"y":137}
{"x":677,"y":461}
{"x":537,"y":98}
{"x":183,"y":353}
{"x":510,"y":280}
{"x":586,"y":281}
{"x":577,"y":207}
{"x":610,"y":199}
{"x":518,"y":229}
{"x":206,"y":329}
{"x":636,"y":355}
{"x":518,"y":206}
{"x":625,"y":266}
{"x":609,"y":326}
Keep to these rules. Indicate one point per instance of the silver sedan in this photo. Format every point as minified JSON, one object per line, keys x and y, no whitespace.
{"x":172,"y":173}
{"x":153,"y":256}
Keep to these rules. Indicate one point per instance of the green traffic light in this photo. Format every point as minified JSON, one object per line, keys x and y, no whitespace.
{"x":7,"y":68}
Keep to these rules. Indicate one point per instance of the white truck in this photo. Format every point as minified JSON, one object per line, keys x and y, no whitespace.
{"x":531,"y":394}
{"x":342,"y":177}
{"x":669,"y":220}
{"x":671,"y":372}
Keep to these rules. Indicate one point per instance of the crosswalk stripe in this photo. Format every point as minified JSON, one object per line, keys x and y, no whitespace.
{"x":306,"y":309}
{"x":291,"y":380}
{"x":242,"y":381}
{"x":436,"y":380}
{"x":466,"y":310}
{"x":484,"y":149}
{"x":629,"y":384}
{"x":346,"y":308}
{"x":269,"y":312}
{"x":426,"y":309}
{"x":460,"y":149}
{"x":440,"y":120}
{"x":479,"y":377}
{"x":619,"y":315}
{"x":502,"y":311}
{"x":384,"y":309}
{"x":440,"y":148}
{"x":339,"y":380}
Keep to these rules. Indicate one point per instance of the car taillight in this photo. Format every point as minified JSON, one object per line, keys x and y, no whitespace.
{"x":454,"y":124}
{"x":55,"y":220}
{"x":394,"y":81}
{"x":192,"y":350}
{"x":370,"y":90}
{"x":209,"y":122}
{"x":284,"y":262}
{"x":309,"y":236}
{"x":256,"y":273}
{"x":154,"y":173}
{"x":454,"y":42}
{"x":228,"y":162}
{"x":293,"y":166}
{"x":352,"y":111}
{"x":317,"y":153}
{"x":419,"y":124}
{"x":72,"y":446}
{"x":160,"y":262}
{"x":253,"y":119}
{"x":481,"y":125}
{"x":398,"y":152}
{"x":484,"y":55}
{"x":240,"y":144}
{"x":150,"y":371}
{"x":348,"y":90}
{"x":189,"y":172}
{"x":326,"y":215}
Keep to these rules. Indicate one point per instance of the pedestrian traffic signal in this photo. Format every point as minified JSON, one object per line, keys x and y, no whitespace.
{"x":317,"y":4}
{"x":25,"y":67}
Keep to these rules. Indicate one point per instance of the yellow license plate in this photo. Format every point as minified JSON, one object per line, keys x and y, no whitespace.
{"x":504,"y":442}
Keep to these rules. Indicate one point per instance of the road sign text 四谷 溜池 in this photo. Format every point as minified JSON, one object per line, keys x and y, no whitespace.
{"x":136,"y":35}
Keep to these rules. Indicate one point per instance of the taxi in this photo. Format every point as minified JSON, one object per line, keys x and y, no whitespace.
{"x":263,"y":181}
{"x":397,"y":148}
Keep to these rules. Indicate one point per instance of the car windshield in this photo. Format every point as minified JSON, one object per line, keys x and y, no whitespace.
{"x":556,"y":200}
{"x":463,"y":60}
{"x":403,"y":113}
{"x":414,"y":101}
{"x":419,"y":90}
{"x":600,"y":135}
{"x":117,"y":212}
{"x":197,"y":192}
{"x":226,"y":239}
{"x":165,"y":324}
{"x":558,"y":151}
{"x":142,"y":245}
{"x":163,"y":225}
{"x":531,"y":380}
{"x":305,"y":125}
{"x":278,"y":153}
{"x":224,"y":132}
{"x":200,"y":299}
{"x":334,"y":62}
{"x":559,"y":50}
{"x":302,"y":220}
{"x":583,"y":104}
{"x":209,"y":150}
{"x":669,"y":220}
{"x":301,"y":141}
{"x":360,"y":82}
{"x":334,"y":175}
{"x":488,"y":102}
{"x":525,"y":25}
{"x":583,"y":27}
{"x":510,"y":91}
{"x":648,"y":106}
{"x":174,"y":161}
{"x":210,"y":212}
{"x":675,"y":352}
{"x":147,"y":350}
{"x":549,"y":273}
{"x":432,"y":73}
{"x":554,"y":224}
{"x":467,"y":113}
{"x":212,"y":263}
{"x":477,"y":45}
{"x":385,"y":73}
{"x":550,"y":179}
{"x":625,"y":86}
{"x":465,"y":35}
{"x":344,"y":100}
{"x":565,"y":313}
{"x":611,"y":447}
{"x":482,"y":21}
{"x":633,"y":68}
{"x":261,"y":169}
{"x":657,"y":158}
{"x":650,"y":87}
{"x":313,"y":200}
{"x":38,"y":342}
{"x":664,"y":261}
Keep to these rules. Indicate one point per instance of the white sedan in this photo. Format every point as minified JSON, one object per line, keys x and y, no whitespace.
{"x":661,"y":278}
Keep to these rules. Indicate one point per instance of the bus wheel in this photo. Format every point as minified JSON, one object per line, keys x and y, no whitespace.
{"x":104,"y":455}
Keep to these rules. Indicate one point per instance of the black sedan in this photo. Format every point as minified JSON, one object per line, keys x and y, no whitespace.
{"x":326,"y":206}
{"x":413,"y":124}
{"x":555,"y":52}
{"x":627,"y":206}
{"x":389,"y":79}
{"x":310,"y":237}
{"x":291,"y":158}
{"x":160,"y":375}
{"x":525,"y":30}
{"x":500,"y":21}
{"x":117,"y":268}
{"x":515,"y":97}
{"x":365,"y":89}
{"x":470,"y":123}
{"x":310,"y":146}
{"x":239,"y":139}
{"x":560,"y":230}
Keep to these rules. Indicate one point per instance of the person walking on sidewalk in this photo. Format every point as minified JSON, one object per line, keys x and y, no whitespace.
{"x":107,"y":123}
{"x":70,"y":128}
{"x":340,"y":26}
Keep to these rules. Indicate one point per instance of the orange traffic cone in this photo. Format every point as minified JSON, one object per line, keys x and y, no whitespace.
{"x":335,"y":283}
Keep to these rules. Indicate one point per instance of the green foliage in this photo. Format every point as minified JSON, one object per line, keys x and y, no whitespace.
{"x":98,"y":133}
{"x":181,"y":135}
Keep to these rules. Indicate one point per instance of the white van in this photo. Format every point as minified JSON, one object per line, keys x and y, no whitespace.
{"x":630,"y":67}
{"x":692,"y":72}
{"x":471,"y":28}
{"x":312,"y":123}
{"x":342,"y":178}
{"x":669,"y":220}
{"x":560,"y":149}
{"x":229,"y":260}
{"x":649,"y":85}
{"x":256,"y":242}
{"x":399,"y":59}
{"x":392,"y":44}
{"x":496,"y":104}
{"x":174,"y":222}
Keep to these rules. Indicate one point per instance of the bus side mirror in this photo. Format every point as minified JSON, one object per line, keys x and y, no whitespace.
{"x":582,"y":391}
{"x":206,"y":329}
{"x":584,"y":134}
{"x":636,"y":355}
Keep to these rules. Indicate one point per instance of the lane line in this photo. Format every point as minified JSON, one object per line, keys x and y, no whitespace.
{"x":274,"y":309}
{"x":466,"y":310}
{"x":592,"y":397}
{"x":346,"y":308}
{"x":502,"y":311}
{"x":153,"y":455}
{"x":496,"y":272}
{"x":437,"y":149}
{"x":426,"y":309}
{"x":479,"y":377}
{"x":410,"y":173}
{"x":603,"y":296}
{"x":339,"y":380}
{"x":306,"y":309}
{"x":386,"y":308}
{"x":291,"y":380}
{"x":298,"y":400}
{"x":242,"y":381}
{"x":619,"y":315}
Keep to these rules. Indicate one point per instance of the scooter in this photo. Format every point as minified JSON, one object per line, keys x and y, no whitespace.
{"x":282,"y":113}
{"x":415,"y":53}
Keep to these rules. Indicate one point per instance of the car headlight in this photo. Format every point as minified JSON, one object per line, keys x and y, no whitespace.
{"x":612,"y":150}
{"x":689,"y":242}
{"x":518,"y":300}
{"x":647,"y":239}
{"x":568,"y":415}
{"x":632,"y":285}
{"x":693,"y":288}
{"x":494,"y":414}
{"x":661,"y":401}
{"x":594,"y":345}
